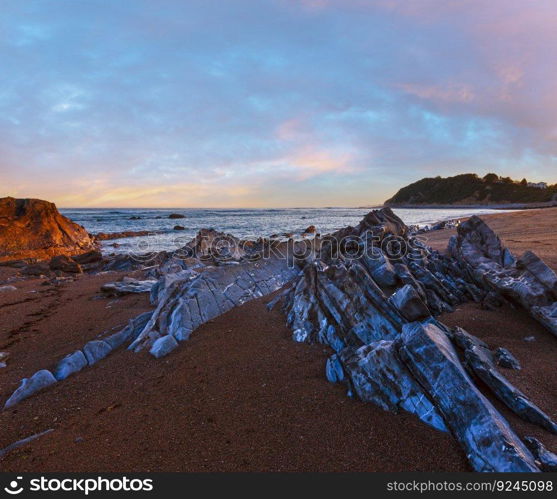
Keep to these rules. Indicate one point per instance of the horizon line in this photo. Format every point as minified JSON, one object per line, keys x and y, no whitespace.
{"x":221,"y":208}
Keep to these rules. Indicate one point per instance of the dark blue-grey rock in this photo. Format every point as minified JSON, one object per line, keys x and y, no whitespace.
{"x":188,"y":299}
{"x":504,"y":358}
{"x":528,"y":281}
{"x":536,"y":267}
{"x":487,"y":438}
{"x":130,"y":332}
{"x":379,"y":376}
{"x":70,"y":364}
{"x":408,"y":302}
{"x":96,"y":350}
{"x":29,"y":386}
{"x":546,"y":458}
{"x":128,"y":285}
{"x":163,"y":346}
{"x":480,"y":361}
{"x":384,"y":273}
{"x":334,"y":370}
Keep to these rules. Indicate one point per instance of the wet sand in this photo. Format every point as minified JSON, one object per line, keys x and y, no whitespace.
{"x":239,"y":396}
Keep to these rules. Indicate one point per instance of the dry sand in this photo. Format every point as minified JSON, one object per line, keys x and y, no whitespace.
{"x":240,"y":395}
{"x":534,"y":230}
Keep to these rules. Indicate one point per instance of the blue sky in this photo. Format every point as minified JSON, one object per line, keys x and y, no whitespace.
{"x":258,"y":103}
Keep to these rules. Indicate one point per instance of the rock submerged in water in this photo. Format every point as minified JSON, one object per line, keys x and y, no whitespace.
{"x":33,"y":228}
{"x":175,"y":216}
{"x":107,"y":236}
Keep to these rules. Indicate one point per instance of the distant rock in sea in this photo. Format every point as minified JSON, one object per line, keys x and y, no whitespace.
{"x":33,"y":228}
{"x":103,"y":236}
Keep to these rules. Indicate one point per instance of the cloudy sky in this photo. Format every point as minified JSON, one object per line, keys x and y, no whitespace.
{"x":270,"y":103}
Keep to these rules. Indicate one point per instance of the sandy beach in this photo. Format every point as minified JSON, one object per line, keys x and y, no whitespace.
{"x":534,"y":230}
{"x":240,"y":395}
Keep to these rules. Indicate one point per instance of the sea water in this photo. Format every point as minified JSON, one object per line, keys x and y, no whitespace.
{"x":242,"y":223}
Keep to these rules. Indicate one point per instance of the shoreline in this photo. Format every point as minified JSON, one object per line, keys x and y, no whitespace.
{"x":509,"y":206}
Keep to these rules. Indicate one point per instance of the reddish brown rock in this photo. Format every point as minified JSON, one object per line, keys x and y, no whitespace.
{"x":33,"y":228}
{"x":64,"y":263}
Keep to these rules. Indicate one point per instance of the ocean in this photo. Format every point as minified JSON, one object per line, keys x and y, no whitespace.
{"x":242,"y":223}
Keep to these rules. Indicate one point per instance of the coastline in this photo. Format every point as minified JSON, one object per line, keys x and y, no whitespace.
{"x":507,"y":206}
{"x":241,"y":395}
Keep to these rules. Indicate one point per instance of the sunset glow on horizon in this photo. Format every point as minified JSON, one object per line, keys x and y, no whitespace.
{"x":271,"y":103}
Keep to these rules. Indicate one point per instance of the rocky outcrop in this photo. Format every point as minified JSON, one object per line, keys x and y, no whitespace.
{"x":372,"y":293}
{"x":488,"y":440}
{"x":526,"y":281}
{"x":187,"y":299}
{"x":32,"y":228}
{"x":66,"y":264}
{"x":70,"y":364}
{"x":506,"y":359}
{"x":163,"y":346}
{"x":379,"y":375}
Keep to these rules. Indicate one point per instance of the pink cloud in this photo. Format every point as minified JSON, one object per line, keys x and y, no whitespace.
{"x":447,"y":93}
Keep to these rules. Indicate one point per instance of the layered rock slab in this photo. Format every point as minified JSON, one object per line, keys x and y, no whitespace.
{"x":526,"y":281}
{"x":187,"y":299}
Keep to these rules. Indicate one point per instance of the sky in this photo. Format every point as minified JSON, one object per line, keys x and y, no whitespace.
{"x":270,"y":103}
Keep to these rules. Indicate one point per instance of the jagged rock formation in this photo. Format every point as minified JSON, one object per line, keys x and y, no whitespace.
{"x":526,"y":281}
{"x":187,"y":299}
{"x":372,"y":294}
{"x":32,"y":228}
